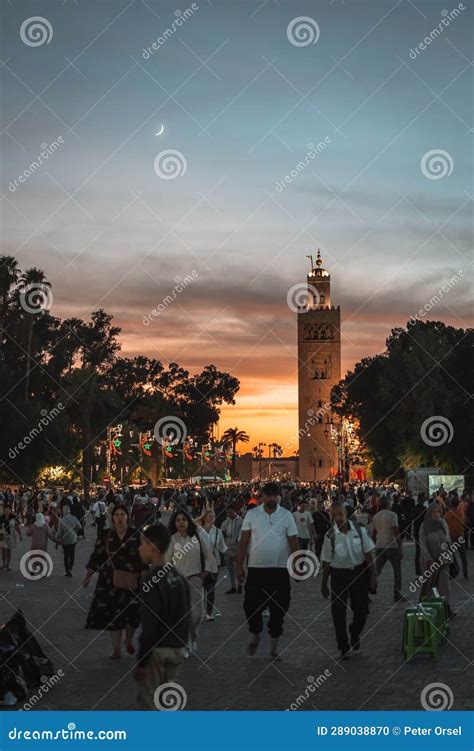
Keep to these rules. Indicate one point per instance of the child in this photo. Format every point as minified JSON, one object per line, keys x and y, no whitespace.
{"x":165,"y":617}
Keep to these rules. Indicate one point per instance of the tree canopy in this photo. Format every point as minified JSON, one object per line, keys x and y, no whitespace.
{"x":63,"y":382}
{"x":425,"y":373}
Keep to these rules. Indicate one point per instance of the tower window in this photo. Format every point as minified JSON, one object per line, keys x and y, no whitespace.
{"x":320,"y":463}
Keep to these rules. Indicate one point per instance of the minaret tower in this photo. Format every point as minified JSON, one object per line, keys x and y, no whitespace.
{"x":319,"y":369}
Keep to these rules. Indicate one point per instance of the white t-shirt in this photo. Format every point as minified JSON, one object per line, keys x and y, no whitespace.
{"x":303,"y":519}
{"x":348,"y":550}
{"x":384,"y":522}
{"x":268,"y":546}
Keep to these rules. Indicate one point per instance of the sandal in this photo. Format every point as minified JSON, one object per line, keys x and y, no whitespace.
{"x":253,"y":646}
{"x":114,"y":656}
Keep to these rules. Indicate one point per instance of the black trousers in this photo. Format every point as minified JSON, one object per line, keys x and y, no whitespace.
{"x":417,"y":556}
{"x":209,"y":588}
{"x":353,"y":584}
{"x":318,"y":545}
{"x":100,"y":521}
{"x":68,"y":553}
{"x":267,"y":588}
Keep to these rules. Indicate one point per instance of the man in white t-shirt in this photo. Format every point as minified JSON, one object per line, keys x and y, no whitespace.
{"x":304,"y":525}
{"x":268,"y":537}
{"x":388,"y":544}
{"x":347,"y":558}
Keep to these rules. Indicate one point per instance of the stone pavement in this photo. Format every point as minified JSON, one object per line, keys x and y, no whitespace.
{"x":222,"y":676}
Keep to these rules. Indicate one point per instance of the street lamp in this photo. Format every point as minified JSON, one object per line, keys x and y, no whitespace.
{"x":260,"y":454}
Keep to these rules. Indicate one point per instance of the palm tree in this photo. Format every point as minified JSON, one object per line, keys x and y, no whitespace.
{"x":276,"y":450}
{"x":34,"y":281}
{"x":9,"y":273}
{"x":234,"y":436}
{"x":90,"y":407}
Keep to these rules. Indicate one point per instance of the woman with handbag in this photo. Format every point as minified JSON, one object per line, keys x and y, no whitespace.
{"x":115,"y":558}
{"x":218,"y":547}
{"x":190,"y":553}
{"x":436,"y":555}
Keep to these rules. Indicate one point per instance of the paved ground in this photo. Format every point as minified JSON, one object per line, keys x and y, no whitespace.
{"x":222,"y":676}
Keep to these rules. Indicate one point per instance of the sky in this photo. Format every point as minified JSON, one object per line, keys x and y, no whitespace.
{"x":239,"y":91}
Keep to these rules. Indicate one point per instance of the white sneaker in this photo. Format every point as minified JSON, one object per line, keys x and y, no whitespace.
{"x":209,"y":617}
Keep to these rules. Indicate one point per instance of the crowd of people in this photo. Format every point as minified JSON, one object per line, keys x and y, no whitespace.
{"x":163,"y":577}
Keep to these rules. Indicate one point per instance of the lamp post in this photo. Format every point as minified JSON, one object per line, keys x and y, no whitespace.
{"x":260,"y":455}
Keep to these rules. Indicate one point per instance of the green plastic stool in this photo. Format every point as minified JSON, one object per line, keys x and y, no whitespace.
{"x":419,"y":632}
{"x":440,"y":606}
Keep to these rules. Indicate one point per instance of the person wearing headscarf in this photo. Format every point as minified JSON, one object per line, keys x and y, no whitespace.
{"x":40,"y":533}
{"x":436,"y":556}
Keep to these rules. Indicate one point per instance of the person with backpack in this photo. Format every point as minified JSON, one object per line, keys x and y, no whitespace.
{"x":348,"y":560}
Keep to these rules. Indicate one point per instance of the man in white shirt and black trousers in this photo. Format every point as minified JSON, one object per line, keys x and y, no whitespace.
{"x":268,"y":536}
{"x":348,"y":559}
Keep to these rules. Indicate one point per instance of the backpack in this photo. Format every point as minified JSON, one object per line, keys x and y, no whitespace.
{"x":331,"y":534}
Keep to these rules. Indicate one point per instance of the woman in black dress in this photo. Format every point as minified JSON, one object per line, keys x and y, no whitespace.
{"x":113,"y":607}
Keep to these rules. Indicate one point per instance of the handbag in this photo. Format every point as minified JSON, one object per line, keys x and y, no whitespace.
{"x":453,"y":568}
{"x":122,"y":579}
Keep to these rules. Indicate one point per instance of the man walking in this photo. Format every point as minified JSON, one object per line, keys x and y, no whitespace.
{"x":68,"y":529}
{"x":347,"y":558}
{"x":304,"y":525}
{"x":99,"y":509}
{"x":268,"y":536}
{"x":322,"y":523}
{"x":165,"y":619}
{"x":388,"y":544}
{"x":231,"y":527}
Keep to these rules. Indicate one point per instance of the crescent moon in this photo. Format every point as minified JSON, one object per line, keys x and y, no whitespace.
{"x":160,"y":131}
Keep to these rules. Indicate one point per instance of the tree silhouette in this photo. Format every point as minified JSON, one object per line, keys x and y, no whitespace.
{"x":234,"y":436}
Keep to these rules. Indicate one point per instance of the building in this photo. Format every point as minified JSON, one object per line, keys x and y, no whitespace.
{"x":249,"y":468}
{"x":319,"y":369}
